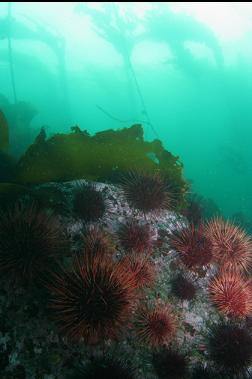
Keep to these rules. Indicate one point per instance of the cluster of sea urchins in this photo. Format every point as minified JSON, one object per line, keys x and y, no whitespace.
{"x":99,"y":295}
{"x":218,"y":242}
{"x":229,"y":249}
{"x":230,"y":290}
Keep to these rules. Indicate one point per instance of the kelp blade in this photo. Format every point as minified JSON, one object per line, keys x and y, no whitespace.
{"x":4,"y":132}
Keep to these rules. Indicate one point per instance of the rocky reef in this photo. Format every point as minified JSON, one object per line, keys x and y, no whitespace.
{"x":96,"y":289}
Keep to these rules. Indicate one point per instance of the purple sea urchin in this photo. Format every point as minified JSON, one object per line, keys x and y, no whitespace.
{"x":30,"y":242}
{"x":105,"y":368}
{"x":230,"y":348}
{"x":88,"y":202}
{"x":183,"y":288}
{"x":170,"y":364}
{"x":146,"y":192}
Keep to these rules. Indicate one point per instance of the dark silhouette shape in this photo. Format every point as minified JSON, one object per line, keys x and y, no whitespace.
{"x":146,"y":192}
{"x":183,"y":288}
{"x":230,"y":348}
{"x":120,"y":33}
{"x":105,"y":368}
{"x":162,"y":24}
{"x":37,"y":242}
{"x":88,"y":203}
{"x":25,"y":28}
{"x":171,"y":364}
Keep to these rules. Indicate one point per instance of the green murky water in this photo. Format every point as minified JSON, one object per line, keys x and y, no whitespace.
{"x":184,"y":71}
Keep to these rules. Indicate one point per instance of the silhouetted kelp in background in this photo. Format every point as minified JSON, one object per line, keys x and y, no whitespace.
{"x":23,"y":28}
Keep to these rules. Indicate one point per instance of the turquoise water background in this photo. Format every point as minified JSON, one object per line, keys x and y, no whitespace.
{"x":183,"y":70}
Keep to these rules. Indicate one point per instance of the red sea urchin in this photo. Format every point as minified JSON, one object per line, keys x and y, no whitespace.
{"x":142,"y":269}
{"x":97,"y":242}
{"x":136,"y":237}
{"x":94,"y":301}
{"x":193,"y":246}
{"x":232,"y":248}
{"x":231,"y":294}
{"x":30,"y":242}
{"x":146,"y":192}
{"x":156,"y":327}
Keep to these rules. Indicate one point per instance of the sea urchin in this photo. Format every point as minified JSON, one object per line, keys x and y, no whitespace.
{"x":94,"y":301}
{"x":156,"y":327}
{"x":136,"y":237}
{"x":105,"y":368}
{"x":88,"y":202}
{"x":169,"y":363}
{"x":97,"y":242}
{"x":141,"y":268}
{"x":232,"y":247}
{"x":146,"y":192}
{"x":231,"y":294}
{"x":230,"y":348}
{"x":183,"y":288}
{"x":30,"y":242}
{"x":193,"y":246}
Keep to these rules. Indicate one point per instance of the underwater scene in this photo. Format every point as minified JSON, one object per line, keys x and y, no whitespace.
{"x":125,"y":190}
